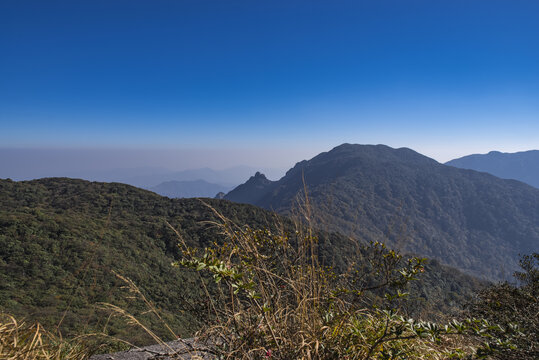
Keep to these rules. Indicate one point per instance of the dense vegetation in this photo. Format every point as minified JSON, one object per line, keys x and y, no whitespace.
{"x":522,"y":166}
{"x":61,"y":240}
{"x":276,"y":301}
{"x":470,"y":220}
{"x":515,"y":305}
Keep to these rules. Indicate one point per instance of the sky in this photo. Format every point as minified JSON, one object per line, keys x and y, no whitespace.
{"x":183,"y":84}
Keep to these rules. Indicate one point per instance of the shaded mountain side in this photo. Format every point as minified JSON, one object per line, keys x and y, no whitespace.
{"x":522,"y":166}
{"x":252,"y":191}
{"x":62,"y":239}
{"x":470,"y":220}
{"x":189,"y":189}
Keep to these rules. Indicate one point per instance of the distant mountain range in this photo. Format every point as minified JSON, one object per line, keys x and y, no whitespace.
{"x":202,"y":182}
{"x":522,"y":166}
{"x":188,"y":189}
{"x":145,"y":177}
{"x":471,"y":220}
{"x":229,"y":177}
{"x":143,"y":168}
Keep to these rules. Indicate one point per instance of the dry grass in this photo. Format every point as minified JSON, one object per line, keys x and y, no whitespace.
{"x":273,"y":300}
{"x":20,"y":340}
{"x":276,"y":301}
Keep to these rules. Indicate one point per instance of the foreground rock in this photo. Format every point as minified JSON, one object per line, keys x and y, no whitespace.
{"x":178,"y":349}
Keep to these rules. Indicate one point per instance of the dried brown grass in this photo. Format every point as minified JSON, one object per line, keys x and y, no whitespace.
{"x":25,"y":341}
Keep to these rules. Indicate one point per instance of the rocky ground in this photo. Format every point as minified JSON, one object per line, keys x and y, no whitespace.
{"x":178,"y":349}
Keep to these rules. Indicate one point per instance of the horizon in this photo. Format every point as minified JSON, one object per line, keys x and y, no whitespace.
{"x":125,"y":164}
{"x":195,"y":84}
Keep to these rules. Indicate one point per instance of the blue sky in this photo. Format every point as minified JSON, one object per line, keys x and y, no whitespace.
{"x":269,"y":82}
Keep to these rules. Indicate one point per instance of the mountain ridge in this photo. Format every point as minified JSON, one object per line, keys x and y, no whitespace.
{"x":522,"y":165}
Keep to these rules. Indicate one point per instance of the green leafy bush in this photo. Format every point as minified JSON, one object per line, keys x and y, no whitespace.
{"x":517,"y":306}
{"x":274,"y":300}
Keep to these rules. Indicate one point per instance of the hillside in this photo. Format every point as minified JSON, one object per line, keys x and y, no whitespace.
{"x":470,"y":220}
{"x":522,"y":166}
{"x":60,"y":240}
{"x":189,"y":189}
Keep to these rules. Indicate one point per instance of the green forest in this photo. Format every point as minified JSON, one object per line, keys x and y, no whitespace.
{"x":67,"y":247}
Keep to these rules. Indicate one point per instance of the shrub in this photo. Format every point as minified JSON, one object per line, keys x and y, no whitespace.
{"x":274,"y":300}
{"x":515,"y":305}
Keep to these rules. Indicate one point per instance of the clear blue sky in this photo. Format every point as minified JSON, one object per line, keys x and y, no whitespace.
{"x":446,"y":78}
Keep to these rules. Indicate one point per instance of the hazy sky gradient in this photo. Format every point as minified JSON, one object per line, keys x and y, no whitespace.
{"x":289,"y":79}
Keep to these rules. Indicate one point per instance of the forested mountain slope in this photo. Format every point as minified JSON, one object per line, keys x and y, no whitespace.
{"x":470,"y":220}
{"x":62,"y":239}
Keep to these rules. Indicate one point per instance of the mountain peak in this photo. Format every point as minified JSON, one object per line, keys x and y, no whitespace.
{"x":259,"y":175}
{"x":254,"y":188}
{"x":372,"y":153}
